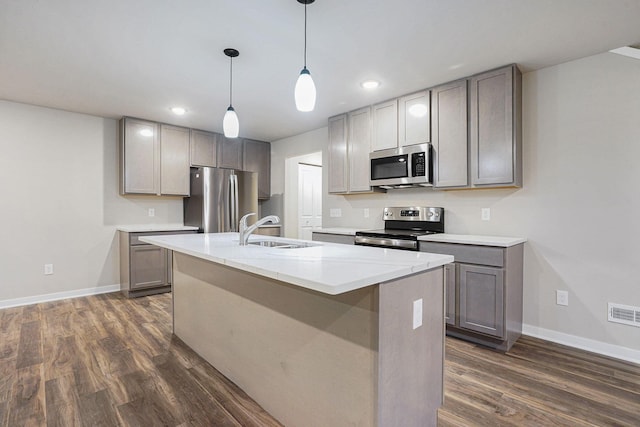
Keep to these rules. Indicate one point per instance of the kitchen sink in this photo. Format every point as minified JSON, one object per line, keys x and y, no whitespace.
{"x":281,"y":245}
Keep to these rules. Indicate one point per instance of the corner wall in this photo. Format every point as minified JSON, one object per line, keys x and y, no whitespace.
{"x":579,"y":206}
{"x":59,"y":184}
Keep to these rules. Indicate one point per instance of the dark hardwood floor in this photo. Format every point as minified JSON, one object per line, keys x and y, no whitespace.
{"x":109,"y":361}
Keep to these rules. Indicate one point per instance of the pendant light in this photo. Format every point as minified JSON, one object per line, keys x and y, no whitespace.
{"x":230,"y":122}
{"x":305,"y":92}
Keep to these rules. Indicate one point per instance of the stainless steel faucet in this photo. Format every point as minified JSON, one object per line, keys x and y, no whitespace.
{"x":245,"y":231}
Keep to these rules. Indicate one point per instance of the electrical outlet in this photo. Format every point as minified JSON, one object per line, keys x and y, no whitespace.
{"x":335,"y":212}
{"x":152,"y":212}
{"x":417,"y":313}
{"x":366,"y":212}
{"x":562,"y":297}
{"x":486,"y":214}
{"x":48,"y":269}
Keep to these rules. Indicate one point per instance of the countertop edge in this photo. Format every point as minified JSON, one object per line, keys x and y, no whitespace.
{"x":471,"y":239}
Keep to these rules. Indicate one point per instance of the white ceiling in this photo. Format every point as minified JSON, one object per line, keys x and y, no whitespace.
{"x":141,"y":57}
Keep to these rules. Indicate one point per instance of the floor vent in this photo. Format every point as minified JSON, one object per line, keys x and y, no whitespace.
{"x":624,"y":314}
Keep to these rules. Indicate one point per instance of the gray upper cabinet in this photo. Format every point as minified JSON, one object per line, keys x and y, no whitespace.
{"x":495,"y":128}
{"x":257,"y":158}
{"x":349,"y":148}
{"x":414,"y":119}
{"x":174,"y":160}
{"x":359,"y":147}
{"x":139,"y":157}
{"x":385,"y":125}
{"x":449,"y":135}
{"x":203,"y":149}
{"x":229,"y":152}
{"x":338,"y":162}
{"x":154,"y":158}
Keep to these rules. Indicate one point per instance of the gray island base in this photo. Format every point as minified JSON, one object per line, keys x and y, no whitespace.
{"x":313,"y":359}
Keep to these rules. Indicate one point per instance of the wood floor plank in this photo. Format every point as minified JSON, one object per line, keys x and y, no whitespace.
{"x":108,"y":360}
{"x":28,"y":397}
{"x":96,"y":410}
{"x":30,"y":346}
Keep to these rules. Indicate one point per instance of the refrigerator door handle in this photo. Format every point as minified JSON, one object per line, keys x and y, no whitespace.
{"x":232,"y":205}
{"x":236,"y":208}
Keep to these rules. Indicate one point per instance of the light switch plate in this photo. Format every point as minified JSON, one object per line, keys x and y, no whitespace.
{"x":48,"y":269}
{"x":562,"y":297}
{"x":486,"y":214}
{"x":152,"y":212}
{"x":335,"y":212}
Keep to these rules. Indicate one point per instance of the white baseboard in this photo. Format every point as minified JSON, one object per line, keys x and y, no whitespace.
{"x":16,"y":302}
{"x":611,"y":350}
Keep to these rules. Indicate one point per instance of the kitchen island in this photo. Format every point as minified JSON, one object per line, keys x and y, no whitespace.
{"x":319,"y":335}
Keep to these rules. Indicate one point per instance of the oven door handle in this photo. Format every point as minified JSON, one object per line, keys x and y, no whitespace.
{"x":383,"y":241}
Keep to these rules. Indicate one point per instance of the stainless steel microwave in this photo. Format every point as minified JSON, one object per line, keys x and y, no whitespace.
{"x":402,"y":167}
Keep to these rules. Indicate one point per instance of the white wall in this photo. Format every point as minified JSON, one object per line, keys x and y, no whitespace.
{"x":579,"y":206}
{"x":59,"y":186}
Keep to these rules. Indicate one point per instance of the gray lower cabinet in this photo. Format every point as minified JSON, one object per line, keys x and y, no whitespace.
{"x":333,"y":238}
{"x":450,"y":294}
{"x":483,"y":292}
{"x":144,"y":269}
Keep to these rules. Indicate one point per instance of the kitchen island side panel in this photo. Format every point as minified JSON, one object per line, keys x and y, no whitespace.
{"x":411,"y":356}
{"x":308,"y":358}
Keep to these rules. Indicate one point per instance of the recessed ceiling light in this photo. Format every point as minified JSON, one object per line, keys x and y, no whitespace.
{"x":178,"y":111}
{"x":370,"y":84}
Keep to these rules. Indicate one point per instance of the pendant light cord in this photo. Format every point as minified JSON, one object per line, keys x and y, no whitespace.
{"x":305,"y":35}
{"x":230,"y":80}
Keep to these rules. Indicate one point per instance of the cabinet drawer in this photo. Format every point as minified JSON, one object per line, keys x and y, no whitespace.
{"x":134,"y":238}
{"x":470,"y":254}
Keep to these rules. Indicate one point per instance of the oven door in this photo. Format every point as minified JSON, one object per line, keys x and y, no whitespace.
{"x":386,"y":242}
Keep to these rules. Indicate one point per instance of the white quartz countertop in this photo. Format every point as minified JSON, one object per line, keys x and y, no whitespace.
{"x":141,"y":228}
{"x":338,"y":230}
{"x":324,"y":267}
{"x":470,"y":239}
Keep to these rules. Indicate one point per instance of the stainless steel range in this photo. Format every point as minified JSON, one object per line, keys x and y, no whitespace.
{"x":402,"y":227}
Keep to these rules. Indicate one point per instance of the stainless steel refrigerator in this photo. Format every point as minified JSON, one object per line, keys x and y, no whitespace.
{"x":219,"y":198}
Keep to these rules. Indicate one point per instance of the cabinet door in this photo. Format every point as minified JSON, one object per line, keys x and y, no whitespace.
{"x":493,"y":136}
{"x":359,"y":147}
{"x":174,"y":160}
{"x":257,"y":158}
{"x":229,"y":152}
{"x":450,"y":294}
{"x":481,"y":296}
{"x":338,"y":162}
{"x":449,"y":125}
{"x":148,"y":266}
{"x":203,"y":149}
{"x":414,"y":119}
{"x":385,"y":125}
{"x":140,"y":157}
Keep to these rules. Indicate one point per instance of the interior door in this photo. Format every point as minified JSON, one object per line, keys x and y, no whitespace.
{"x":309,"y":200}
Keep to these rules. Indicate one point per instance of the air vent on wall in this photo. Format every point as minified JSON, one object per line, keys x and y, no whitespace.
{"x":625,"y":314}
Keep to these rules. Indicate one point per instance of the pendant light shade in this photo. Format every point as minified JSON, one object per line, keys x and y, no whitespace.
{"x":230,"y":123}
{"x":305,"y":91}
